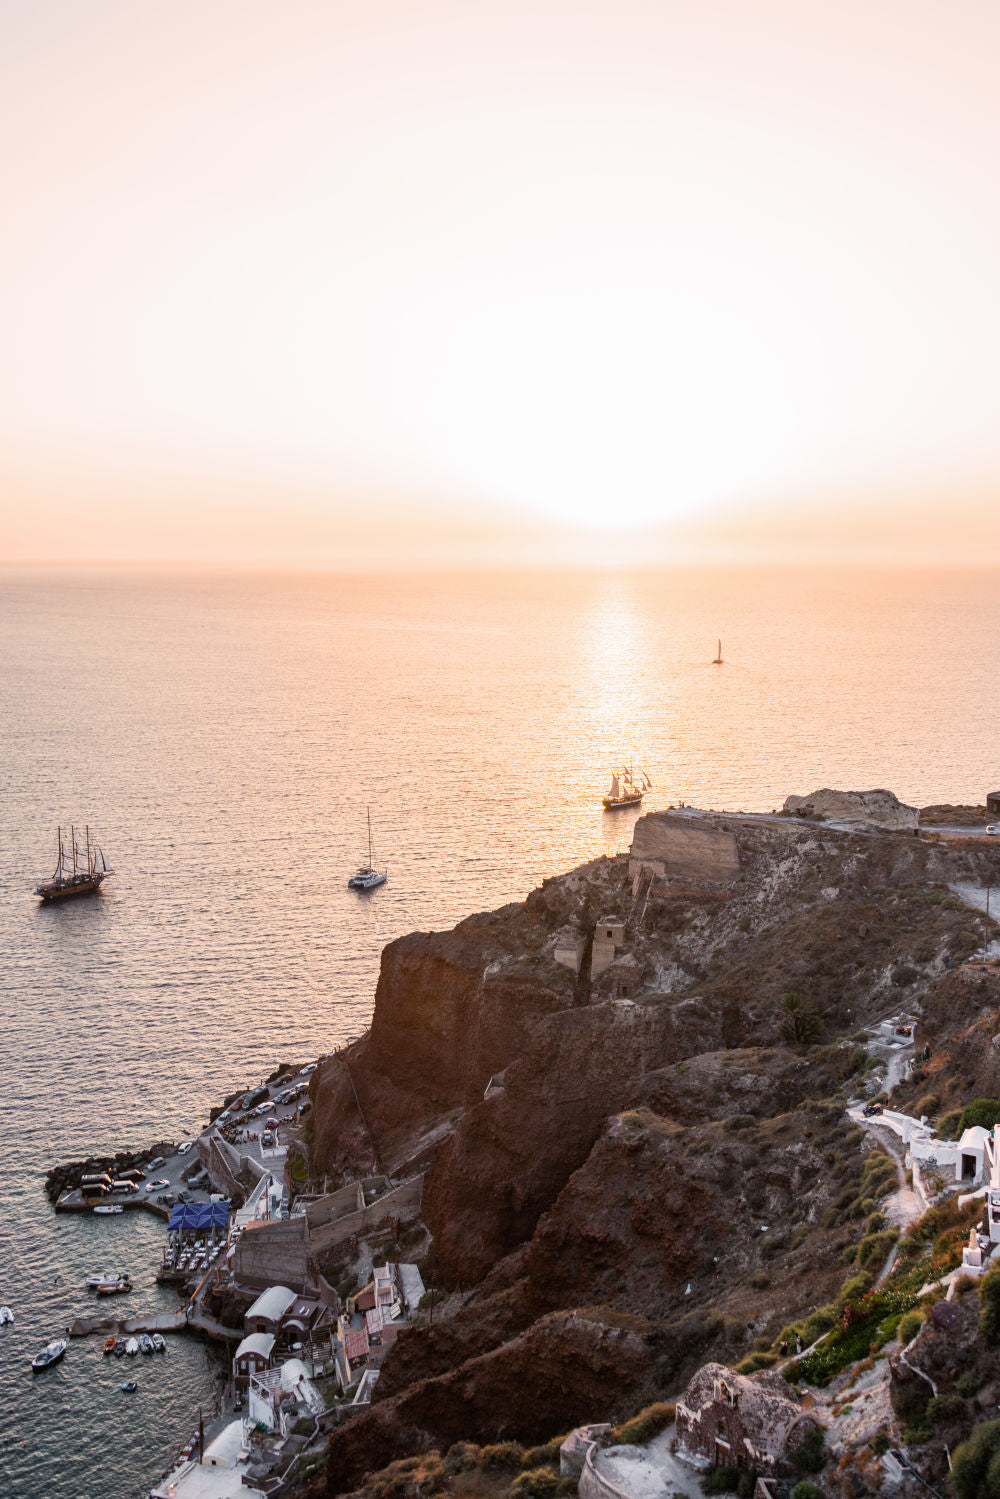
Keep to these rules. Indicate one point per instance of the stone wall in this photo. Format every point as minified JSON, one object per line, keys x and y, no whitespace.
{"x":402,"y":1202}
{"x":273,"y":1254}
{"x":678,"y":847}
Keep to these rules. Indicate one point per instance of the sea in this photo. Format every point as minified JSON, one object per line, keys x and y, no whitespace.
{"x":223,"y":736}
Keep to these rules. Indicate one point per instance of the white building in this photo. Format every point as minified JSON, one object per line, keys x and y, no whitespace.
{"x":268,"y":1311}
{"x":219,"y":1476}
{"x":252,"y":1356}
{"x":279,"y":1397}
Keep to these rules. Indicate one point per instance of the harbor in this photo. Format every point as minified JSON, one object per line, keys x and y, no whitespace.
{"x":245,"y":1234}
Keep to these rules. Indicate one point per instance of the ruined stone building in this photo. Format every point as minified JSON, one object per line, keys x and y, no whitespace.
{"x":742,"y":1421}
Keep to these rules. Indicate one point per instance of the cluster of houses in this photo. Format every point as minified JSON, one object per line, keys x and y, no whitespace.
{"x":291,"y":1340}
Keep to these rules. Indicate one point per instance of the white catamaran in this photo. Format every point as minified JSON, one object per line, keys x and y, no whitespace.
{"x":78,"y":870}
{"x":367,"y":876}
{"x":628,"y":788}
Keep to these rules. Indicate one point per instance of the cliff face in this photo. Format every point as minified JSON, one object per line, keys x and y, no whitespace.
{"x":633,"y":1148}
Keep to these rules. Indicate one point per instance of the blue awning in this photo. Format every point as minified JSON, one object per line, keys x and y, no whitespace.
{"x":198,"y":1216}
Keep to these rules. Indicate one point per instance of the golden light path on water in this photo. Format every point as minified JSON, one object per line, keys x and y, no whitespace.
{"x":224,"y":736}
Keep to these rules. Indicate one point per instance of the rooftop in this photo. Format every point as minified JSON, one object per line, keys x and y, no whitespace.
{"x":272,"y":1303}
{"x":257,"y":1342}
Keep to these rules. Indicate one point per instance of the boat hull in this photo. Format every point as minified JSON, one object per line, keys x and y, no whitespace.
{"x":612,"y":803}
{"x":367,"y":881}
{"x":88,"y":885}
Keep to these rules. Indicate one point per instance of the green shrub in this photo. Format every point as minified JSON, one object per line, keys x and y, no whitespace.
{"x":801,"y":1025}
{"x":874,"y":1223}
{"x":929,"y":1105}
{"x":501,"y":1455}
{"x":721,"y":1480}
{"x":805,"y":1490}
{"x":984,"y":1111}
{"x":539,"y":1483}
{"x":949,"y":1125}
{"x":879,"y":1443}
{"x":909,"y":1326}
{"x":975,"y":1470}
{"x":818,"y":1322}
{"x":740,"y":1121}
{"x":945,"y":1408}
{"x":755,"y":1361}
{"x":545,"y":1456}
{"x":968,"y":1383}
{"x":461,"y":1457}
{"x":810,"y":1455}
{"x":989,"y":1297}
{"x":874,"y":1248}
{"x":760,"y":1280}
{"x":649,"y":1422}
{"x":918,"y":1432}
{"x":854,"y":1288}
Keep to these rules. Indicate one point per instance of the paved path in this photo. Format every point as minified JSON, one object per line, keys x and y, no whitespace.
{"x":649,"y":1472}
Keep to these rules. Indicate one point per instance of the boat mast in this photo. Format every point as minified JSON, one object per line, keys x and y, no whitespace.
{"x":59,"y":856}
{"x":371,"y":861}
{"x":72,"y":834}
{"x":90,"y":867}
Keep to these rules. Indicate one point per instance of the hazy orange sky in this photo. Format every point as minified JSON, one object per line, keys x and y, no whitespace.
{"x":327,"y":284}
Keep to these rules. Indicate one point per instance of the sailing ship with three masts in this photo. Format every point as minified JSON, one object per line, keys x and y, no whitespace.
{"x":628,"y":787}
{"x":79,"y":871}
{"x":367,"y":876}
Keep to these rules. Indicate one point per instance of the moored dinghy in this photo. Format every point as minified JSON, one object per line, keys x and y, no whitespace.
{"x":6,"y":1315}
{"x":50,"y":1354}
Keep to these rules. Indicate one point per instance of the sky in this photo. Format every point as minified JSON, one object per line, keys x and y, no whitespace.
{"x":412,"y":280}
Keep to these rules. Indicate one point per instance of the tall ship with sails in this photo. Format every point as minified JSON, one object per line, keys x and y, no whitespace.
{"x":628,"y":787}
{"x":79,"y":871}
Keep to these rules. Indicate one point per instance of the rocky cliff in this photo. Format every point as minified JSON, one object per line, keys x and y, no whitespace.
{"x":672,"y":1158}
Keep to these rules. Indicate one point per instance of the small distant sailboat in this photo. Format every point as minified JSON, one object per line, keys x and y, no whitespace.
{"x":79,"y":871}
{"x":628,"y":788}
{"x":367,"y":876}
{"x":718,"y":656}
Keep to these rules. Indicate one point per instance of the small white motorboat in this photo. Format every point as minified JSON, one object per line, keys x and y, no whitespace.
{"x":132,"y":1347}
{"x":102,"y":1278}
{"x":145,"y":1343}
{"x":6,"y":1315}
{"x":118,"y":1286}
{"x":159,"y":1342}
{"x":129,"y":1386}
{"x":50,"y":1354}
{"x":109,"y":1208}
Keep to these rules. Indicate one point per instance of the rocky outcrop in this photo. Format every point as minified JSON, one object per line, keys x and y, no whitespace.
{"x":677,"y":846}
{"x":877,"y":809}
{"x":547,"y":1380}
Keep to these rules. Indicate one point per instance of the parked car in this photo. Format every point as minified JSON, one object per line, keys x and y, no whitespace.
{"x":271,"y":1124}
{"x":157,"y":1186}
{"x":157,"y":1162}
{"x":267,"y":1138}
{"x":994,"y":828}
{"x":184,"y":1147}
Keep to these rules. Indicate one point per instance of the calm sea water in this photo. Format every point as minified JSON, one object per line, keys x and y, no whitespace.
{"x":224,"y":736}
